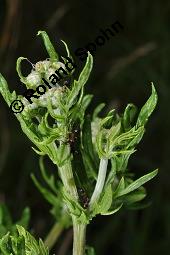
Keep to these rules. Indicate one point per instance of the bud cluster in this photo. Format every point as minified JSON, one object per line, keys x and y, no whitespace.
{"x":53,"y":71}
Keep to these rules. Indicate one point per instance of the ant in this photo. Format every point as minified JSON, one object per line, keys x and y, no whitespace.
{"x":72,"y":139}
{"x":66,"y":81}
{"x":83,"y":198}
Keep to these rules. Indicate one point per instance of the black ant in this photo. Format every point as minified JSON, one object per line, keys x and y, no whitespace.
{"x":83,"y":198}
{"x":66,"y":81}
{"x":72,"y":139}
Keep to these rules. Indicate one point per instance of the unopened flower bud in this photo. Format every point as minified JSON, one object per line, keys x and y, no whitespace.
{"x":33,"y":79}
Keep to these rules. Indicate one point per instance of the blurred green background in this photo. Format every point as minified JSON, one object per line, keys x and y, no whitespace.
{"x":123,"y":70}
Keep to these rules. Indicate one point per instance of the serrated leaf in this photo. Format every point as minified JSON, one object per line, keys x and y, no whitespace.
{"x":147,"y":109}
{"x":138,"y":183}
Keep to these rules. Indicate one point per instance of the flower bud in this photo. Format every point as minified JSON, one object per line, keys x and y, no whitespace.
{"x":42,"y":66}
{"x":33,"y":79}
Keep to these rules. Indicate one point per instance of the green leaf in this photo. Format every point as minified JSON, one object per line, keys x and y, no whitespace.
{"x":89,"y":250}
{"x":62,"y":155}
{"x":21,"y":244}
{"x":4,"y":90}
{"x":119,"y":188}
{"x":75,"y":208}
{"x":32,"y":247}
{"x":4,"y":245}
{"x":113,"y":211}
{"x":112,"y":121}
{"x":77,"y":112}
{"x":137,"y":138}
{"x":106,"y":201}
{"x":48,"y":45}
{"x":38,"y":152}
{"x":83,"y":78}
{"x":129,"y":138}
{"x":99,"y":144}
{"x":136,"y":184}
{"x":128,"y":116}
{"x":18,"y":69}
{"x":5,"y":217}
{"x":86,"y":100}
{"x":111,"y":176}
{"x":50,"y":180}
{"x":97,"y":110}
{"x":135,"y":196}
{"x":120,"y":162}
{"x":25,"y":218}
{"x":114,"y":131}
{"x":67,"y":49}
{"x":52,"y":199}
{"x":147,"y":109}
{"x":89,"y":155}
{"x":105,"y":120}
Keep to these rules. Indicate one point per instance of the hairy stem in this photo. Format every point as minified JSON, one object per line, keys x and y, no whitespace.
{"x":79,"y":239}
{"x":100,"y":181}
{"x":53,"y":235}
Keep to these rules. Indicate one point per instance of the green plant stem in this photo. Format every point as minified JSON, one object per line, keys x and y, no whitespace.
{"x":67,"y":177}
{"x":68,"y":180}
{"x":53,"y":235}
{"x":79,"y":237}
{"x":100,"y":181}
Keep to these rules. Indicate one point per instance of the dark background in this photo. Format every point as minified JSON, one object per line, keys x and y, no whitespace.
{"x":123,"y":70}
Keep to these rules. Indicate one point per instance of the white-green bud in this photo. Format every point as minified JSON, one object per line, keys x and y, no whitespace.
{"x":33,"y":79}
{"x":42,"y":66}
